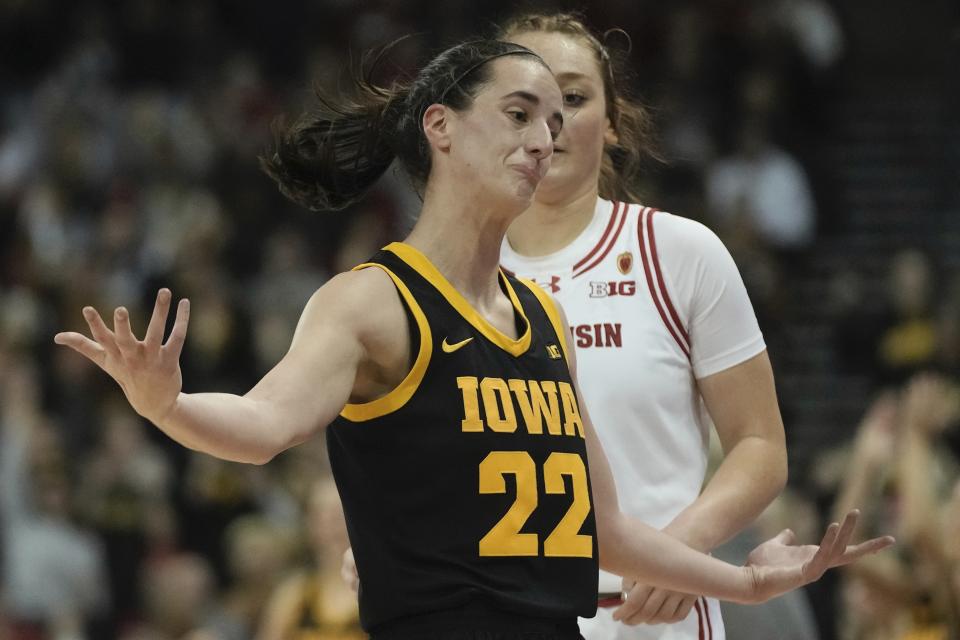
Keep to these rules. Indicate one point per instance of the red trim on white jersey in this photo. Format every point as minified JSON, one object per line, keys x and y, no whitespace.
{"x":703,"y":619}
{"x":696,"y":605}
{"x":603,"y":238}
{"x":706,"y":615}
{"x":621,"y":219}
{"x":663,"y":286}
{"x":658,"y":289}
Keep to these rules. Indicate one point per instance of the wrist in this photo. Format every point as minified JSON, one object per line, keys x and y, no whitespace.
{"x":749,"y":585}
{"x":163,"y":417}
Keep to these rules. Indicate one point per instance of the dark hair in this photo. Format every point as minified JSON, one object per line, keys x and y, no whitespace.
{"x":623,"y":162}
{"x":331,"y":156}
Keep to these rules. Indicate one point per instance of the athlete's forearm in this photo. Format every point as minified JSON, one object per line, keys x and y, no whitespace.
{"x":751,"y":476}
{"x":631,"y":548}
{"x":227,"y":426}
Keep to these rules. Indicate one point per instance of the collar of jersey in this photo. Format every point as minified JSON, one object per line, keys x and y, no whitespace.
{"x":425,"y":268}
{"x":562,"y":260}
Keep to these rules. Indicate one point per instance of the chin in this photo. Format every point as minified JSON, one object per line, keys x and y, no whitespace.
{"x":513,"y":201}
{"x":522,"y":200}
{"x":556,"y":188}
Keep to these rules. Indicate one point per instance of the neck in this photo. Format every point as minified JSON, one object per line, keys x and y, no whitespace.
{"x":546,"y":228}
{"x":462,"y":239}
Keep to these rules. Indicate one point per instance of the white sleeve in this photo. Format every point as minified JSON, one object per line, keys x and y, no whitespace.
{"x":712,"y":301}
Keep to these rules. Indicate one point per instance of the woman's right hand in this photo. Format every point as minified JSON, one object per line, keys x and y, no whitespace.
{"x":147,"y":370}
{"x":779,"y":565}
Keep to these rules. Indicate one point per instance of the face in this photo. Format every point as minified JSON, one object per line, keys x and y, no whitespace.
{"x":501,"y":146}
{"x":578,"y":152}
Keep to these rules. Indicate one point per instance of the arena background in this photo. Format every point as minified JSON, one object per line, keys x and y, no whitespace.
{"x":820,"y":139}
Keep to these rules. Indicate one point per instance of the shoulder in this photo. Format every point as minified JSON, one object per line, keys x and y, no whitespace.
{"x":354,"y":292}
{"x":682,"y":246}
{"x":688,"y":237}
{"x":364,"y":302}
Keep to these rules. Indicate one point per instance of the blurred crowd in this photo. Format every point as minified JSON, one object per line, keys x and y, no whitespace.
{"x":129,"y":137}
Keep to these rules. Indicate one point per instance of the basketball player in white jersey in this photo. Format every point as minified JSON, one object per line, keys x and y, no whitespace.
{"x":665,"y":335}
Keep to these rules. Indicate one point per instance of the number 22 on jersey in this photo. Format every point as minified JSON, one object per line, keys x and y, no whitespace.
{"x":505,"y":539}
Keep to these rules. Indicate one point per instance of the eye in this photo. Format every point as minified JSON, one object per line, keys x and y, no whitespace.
{"x":518,"y":115}
{"x":554,"y":134}
{"x":573,"y":99}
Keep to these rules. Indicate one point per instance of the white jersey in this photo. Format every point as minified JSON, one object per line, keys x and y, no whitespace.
{"x":654,"y":302}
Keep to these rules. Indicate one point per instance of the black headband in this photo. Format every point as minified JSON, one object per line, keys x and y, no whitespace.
{"x":463,"y":74}
{"x":480,"y":63}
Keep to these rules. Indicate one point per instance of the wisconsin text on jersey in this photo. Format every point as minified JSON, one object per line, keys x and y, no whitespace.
{"x":601,"y":334}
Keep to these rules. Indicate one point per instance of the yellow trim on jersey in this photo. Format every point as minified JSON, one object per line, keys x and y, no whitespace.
{"x":550,"y":306}
{"x":399,"y":396}
{"x":425,"y":268}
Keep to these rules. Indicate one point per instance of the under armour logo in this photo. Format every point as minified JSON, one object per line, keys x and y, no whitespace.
{"x":553,"y":286}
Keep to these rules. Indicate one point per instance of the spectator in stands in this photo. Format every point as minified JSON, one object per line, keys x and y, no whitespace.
{"x":54,"y":576}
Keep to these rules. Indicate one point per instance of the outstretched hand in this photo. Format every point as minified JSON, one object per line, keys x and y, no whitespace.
{"x":147,"y":370}
{"x":779,"y":564}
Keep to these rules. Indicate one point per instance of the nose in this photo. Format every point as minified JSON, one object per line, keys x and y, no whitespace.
{"x":539,"y":140}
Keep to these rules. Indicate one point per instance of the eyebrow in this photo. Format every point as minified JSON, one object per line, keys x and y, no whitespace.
{"x":556,"y":116}
{"x":526,"y":95}
{"x":571,"y":75}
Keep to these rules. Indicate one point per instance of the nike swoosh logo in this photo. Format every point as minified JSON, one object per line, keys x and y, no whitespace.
{"x":450,"y":348}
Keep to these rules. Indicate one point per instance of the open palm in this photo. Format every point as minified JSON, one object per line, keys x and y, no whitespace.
{"x":147,"y":370}
{"x":779,"y":564}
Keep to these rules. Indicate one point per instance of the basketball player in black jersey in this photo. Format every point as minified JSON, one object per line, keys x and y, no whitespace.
{"x":455,"y":435}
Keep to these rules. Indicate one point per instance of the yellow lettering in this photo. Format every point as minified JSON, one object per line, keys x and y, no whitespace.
{"x":505,"y":538}
{"x":548,"y":406}
{"x":471,"y":404}
{"x":506,"y":422}
{"x":566,"y":539}
{"x":531,"y":415}
{"x":573,"y":424}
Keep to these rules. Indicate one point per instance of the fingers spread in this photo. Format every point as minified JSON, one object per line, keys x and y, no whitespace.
{"x":821,"y":560}
{"x":82,"y":345}
{"x":100,"y":332}
{"x":179,"y":334}
{"x":846,"y":532}
{"x":126,"y":341}
{"x":154,"y":335}
{"x":874,"y":545}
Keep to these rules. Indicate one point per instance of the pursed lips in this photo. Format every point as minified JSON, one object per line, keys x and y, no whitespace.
{"x":530,"y":172}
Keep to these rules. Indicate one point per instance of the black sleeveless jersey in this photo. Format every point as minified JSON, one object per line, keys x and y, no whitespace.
{"x":468,"y":482}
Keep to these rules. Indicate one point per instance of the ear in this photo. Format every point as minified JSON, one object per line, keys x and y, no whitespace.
{"x":610,"y":136}
{"x":436,"y":127}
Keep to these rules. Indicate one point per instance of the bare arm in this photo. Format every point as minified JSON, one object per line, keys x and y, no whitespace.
{"x":302,"y":394}
{"x":630,"y":547}
{"x":743,"y":404}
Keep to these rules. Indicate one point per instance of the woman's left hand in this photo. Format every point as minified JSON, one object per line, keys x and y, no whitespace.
{"x":780,"y":565}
